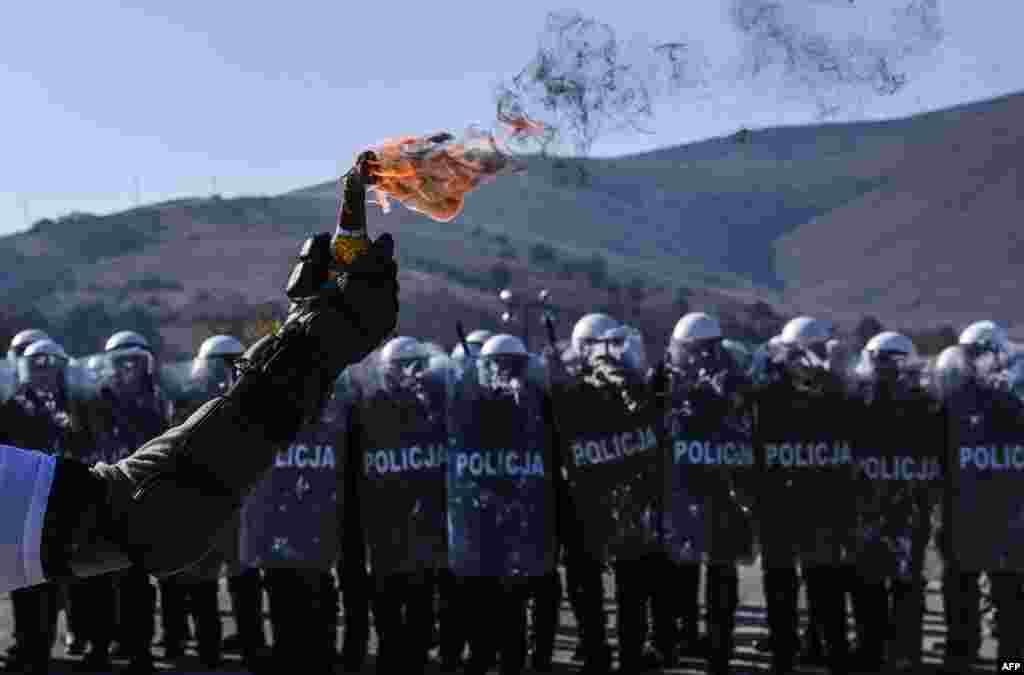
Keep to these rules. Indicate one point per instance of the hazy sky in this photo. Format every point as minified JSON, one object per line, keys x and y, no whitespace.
{"x":269,"y":97}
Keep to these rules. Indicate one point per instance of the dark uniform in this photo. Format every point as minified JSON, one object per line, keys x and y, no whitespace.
{"x":984,"y":415}
{"x":503,"y":529}
{"x":718,"y":483}
{"x":125,"y":423}
{"x":798,"y":413}
{"x":612,"y":442}
{"x":898,"y":475}
{"x":402,"y":513}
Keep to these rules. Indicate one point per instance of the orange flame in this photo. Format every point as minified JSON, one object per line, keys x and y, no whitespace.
{"x":433,"y":174}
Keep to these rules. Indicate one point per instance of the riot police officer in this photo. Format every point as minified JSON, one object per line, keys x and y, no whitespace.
{"x":897,"y":474}
{"x":502,"y":475}
{"x":801,"y":403}
{"x":398,"y":407}
{"x":709,"y":515}
{"x":195,"y":591}
{"x":131,"y":409}
{"x":612,"y":438}
{"x":21,"y":342}
{"x":977,"y":362}
{"x":41,"y":415}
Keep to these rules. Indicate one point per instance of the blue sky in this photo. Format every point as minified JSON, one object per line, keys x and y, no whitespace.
{"x":269,"y":97}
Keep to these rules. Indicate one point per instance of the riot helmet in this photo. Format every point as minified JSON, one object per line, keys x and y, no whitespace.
{"x":21,"y":341}
{"x":131,"y":362}
{"x":694,"y":342}
{"x":809,"y":335}
{"x":402,"y":362}
{"x":886,"y":355}
{"x":215,"y":362}
{"x":43,"y":366}
{"x":587,"y":331}
{"x":503,"y":365}
{"x":126,"y":339}
{"x":986,"y":343}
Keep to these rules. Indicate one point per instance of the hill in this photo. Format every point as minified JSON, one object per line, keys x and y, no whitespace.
{"x":908,"y":220}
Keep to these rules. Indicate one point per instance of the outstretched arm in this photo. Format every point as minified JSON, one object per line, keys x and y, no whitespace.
{"x":161,"y":508}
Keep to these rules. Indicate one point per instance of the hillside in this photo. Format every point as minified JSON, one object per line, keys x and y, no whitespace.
{"x":908,"y":220}
{"x":940,"y":240}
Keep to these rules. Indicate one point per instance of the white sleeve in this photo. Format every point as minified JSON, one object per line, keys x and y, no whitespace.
{"x":26,"y":477}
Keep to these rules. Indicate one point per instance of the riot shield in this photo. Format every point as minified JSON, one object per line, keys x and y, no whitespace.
{"x":986,"y":456}
{"x":803,"y":448}
{"x":897,"y":480}
{"x":291,"y":518}
{"x":710,"y":460}
{"x":500,"y":481}
{"x":402,"y":434}
{"x":611,"y":437}
{"x":175,"y":380}
{"x":8,"y":380}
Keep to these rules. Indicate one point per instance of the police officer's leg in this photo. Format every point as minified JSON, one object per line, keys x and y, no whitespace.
{"x":1008,"y":596}
{"x":871,"y":607}
{"x":632,"y":614}
{"x":355,"y":602}
{"x":908,"y":615}
{"x":687,"y":601}
{"x":209,"y":626}
{"x":512,"y":627}
{"x":388,"y":593}
{"x":961,"y":596}
{"x":419,"y":620}
{"x":173,"y":619}
{"x":98,"y":596}
{"x":76,"y":609}
{"x":659,"y":580}
{"x":723,"y":596}
{"x":24,"y":616}
{"x":812,"y":643}
{"x":781,"y":588}
{"x":330,"y":605}
{"x":246,"y":591}
{"x":482,"y":595}
{"x":138,"y":620}
{"x":453,"y":635}
{"x":547,"y":601}
{"x":279,"y":584}
{"x":573,"y":591}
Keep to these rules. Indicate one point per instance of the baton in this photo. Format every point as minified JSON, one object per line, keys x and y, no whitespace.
{"x":550,"y":326}
{"x":462,"y":337}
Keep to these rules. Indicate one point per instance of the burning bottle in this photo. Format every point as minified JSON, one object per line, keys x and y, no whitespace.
{"x":351,"y":238}
{"x":428,"y":174}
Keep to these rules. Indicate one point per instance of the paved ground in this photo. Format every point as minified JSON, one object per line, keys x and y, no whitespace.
{"x":751,"y":627}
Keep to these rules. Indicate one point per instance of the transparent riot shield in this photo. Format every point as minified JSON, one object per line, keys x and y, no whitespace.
{"x":402,"y":435}
{"x":986,"y":460}
{"x":8,"y":380}
{"x":291,"y":519}
{"x":612,"y":429}
{"x":708,"y":470}
{"x":500,"y":482}
{"x":804,"y":441}
{"x":896,"y":471}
